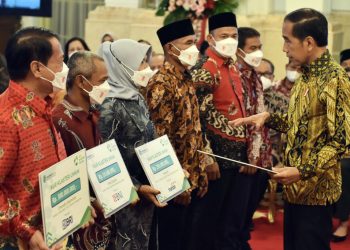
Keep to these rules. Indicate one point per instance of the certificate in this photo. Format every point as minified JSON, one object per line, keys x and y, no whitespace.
{"x":109,"y":178}
{"x":65,"y":198}
{"x":162,"y":168}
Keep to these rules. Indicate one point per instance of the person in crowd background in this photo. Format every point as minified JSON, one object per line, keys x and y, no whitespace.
{"x":157,"y":61}
{"x":108,"y":37}
{"x":342,"y":207}
{"x":73,"y":45}
{"x":4,"y":75}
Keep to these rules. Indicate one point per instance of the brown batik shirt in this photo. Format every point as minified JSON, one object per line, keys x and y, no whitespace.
{"x":173,"y":107}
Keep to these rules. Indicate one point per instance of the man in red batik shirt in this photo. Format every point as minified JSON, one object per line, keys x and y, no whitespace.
{"x":224,"y":218}
{"x":29,"y":142}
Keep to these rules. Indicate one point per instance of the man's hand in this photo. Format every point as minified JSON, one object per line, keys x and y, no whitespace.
{"x":92,"y":220}
{"x":149,"y":193}
{"x":257,"y":120}
{"x":213,"y":172}
{"x":97,"y":206}
{"x":184,"y":198}
{"x":286,"y":175}
{"x":247,"y":170}
{"x":37,"y":242}
{"x":203,"y":190}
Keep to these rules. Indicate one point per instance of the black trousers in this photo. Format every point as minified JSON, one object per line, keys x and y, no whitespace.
{"x":172,"y":225}
{"x":342,"y":207}
{"x":307,"y":227}
{"x":221,"y":219}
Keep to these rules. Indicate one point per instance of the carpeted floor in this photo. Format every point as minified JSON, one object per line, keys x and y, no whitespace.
{"x":268,"y":236}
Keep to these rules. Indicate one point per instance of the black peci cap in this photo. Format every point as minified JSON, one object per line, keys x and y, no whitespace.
{"x":225,"y":19}
{"x":344,"y":55}
{"x":175,"y":31}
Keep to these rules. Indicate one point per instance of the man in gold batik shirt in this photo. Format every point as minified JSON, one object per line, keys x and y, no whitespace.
{"x":318,"y":133}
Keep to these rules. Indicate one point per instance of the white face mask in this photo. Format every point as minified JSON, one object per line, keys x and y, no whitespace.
{"x":226,"y":47}
{"x":141,"y":77}
{"x":292,"y":75}
{"x":266,"y":82}
{"x":98,"y":93}
{"x":189,"y":56}
{"x":254,"y":58}
{"x":59,"y":82}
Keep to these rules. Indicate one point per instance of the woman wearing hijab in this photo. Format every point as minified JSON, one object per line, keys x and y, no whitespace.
{"x":124,"y":117}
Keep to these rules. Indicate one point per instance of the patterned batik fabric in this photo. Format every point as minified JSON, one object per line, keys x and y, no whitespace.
{"x":220,"y":95}
{"x":174,"y":110}
{"x":78,"y":130}
{"x":128,"y":122}
{"x":276,"y":100}
{"x":29,"y":144}
{"x":259,"y":145}
{"x":318,"y":131}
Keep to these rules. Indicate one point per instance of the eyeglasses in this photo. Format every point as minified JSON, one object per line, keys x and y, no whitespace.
{"x":266,"y":74}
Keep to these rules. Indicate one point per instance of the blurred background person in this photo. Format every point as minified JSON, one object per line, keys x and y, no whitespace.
{"x":345,"y":60}
{"x":107,"y":38}
{"x":73,"y":45}
{"x":342,"y":207}
{"x":4,"y":75}
{"x":157,"y":61}
{"x":266,"y":73}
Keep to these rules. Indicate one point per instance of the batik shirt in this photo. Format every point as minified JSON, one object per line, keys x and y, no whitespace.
{"x":258,"y":141}
{"x":276,"y":99}
{"x":318,"y":131}
{"x":77,"y":128}
{"x":173,"y":107}
{"x":220,"y":95}
{"x":128,"y":122}
{"x":29,"y":144}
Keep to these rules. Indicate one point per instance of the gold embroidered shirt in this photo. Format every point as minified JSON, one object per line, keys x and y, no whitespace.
{"x":318,"y":129}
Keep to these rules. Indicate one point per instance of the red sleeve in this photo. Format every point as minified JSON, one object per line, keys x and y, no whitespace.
{"x":11,"y":222}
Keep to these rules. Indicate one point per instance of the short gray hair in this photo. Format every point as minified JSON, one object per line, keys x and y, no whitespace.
{"x":81,"y":63}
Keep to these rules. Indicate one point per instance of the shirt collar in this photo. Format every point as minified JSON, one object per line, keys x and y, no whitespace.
{"x":77,"y":111}
{"x":176,"y":72}
{"x":318,"y":66}
{"x":39,"y":105}
{"x":219,"y":59}
{"x":246,"y":71}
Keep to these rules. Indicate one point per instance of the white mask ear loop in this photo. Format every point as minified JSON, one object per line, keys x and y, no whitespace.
{"x":122,"y":64}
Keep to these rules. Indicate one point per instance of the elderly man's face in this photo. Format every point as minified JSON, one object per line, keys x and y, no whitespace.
{"x":98,"y":77}
{"x":265,"y":69}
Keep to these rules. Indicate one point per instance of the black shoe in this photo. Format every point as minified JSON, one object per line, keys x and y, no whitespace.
{"x":336,"y":238}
